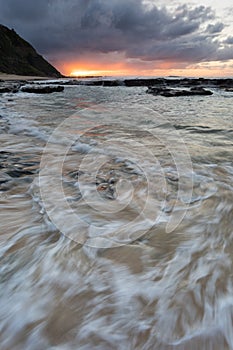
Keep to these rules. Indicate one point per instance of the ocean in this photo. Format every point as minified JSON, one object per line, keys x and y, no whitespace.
{"x":116,"y":220}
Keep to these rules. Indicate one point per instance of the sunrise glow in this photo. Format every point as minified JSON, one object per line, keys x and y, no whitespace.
{"x":83,"y":73}
{"x":116,"y":64}
{"x":205,"y":70}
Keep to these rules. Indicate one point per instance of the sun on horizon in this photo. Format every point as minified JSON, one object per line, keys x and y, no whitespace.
{"x":210,"y":71}
{"x":107,"y":66}
{"x":117,"y":64}
{"x":83,"y":73}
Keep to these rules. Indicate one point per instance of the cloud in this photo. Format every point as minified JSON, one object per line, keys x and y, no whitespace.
{"x":215,"y":28}
{"x":225,"y":54}
{"x":23,"y":10}
{"x":59,"y":28}
{"x":229,"y":40}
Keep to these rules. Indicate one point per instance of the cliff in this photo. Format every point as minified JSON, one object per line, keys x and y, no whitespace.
{"x":17,"y":56}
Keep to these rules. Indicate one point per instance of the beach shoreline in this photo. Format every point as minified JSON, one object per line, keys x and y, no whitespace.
{"x":15,"y":77}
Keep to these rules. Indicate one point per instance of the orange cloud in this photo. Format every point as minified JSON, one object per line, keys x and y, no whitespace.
{"x":116,"y":64}
{"x":96,"y":65}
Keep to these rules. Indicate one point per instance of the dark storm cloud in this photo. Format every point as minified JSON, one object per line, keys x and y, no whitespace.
{"x":229,"y":40}
{"x":23,"y":10}
{"x":215,"y":28}
{"x":75,"y":27}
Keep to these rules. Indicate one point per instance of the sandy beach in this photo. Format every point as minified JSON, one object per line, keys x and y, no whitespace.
{"x":15,"y":77}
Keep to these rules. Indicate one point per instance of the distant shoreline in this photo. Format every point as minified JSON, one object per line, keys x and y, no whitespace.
{"x":15,"y":77}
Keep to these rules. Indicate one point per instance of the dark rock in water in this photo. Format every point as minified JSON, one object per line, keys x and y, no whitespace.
{"x":167,"y":92}
{"x":4,"y":178}
{"x":143,"y":82}
{"x":229,"y":89}
{"x":200,"y":91}
{"x":106,"y":190}
{"x":4,"y":89}
{"x":19,"y":173}
{"x":112,"y":181}
{"x":158,"y":82}
{"x":9,"y":87}
{"x":40,"y":89}
{"x":19,"y":57}
{"x":75,"y":174}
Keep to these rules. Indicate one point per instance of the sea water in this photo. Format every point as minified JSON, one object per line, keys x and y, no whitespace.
{"x":116,"y":220}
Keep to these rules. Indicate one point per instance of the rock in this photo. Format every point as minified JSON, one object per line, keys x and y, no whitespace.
{"x":102,"y":187}
{"x":9,"y":87}
{"x":3,"y":90}
{"x":41,"y":89}
{"x":106,"y":190}
{"x":112,"y":181}
{"x":200,"y":91}
{"x":166,"y":82}
{"x":76,"y":174}
{"x":169,"y":92}
{"x":18,"y":173}
{"x":144,"y":82}
{"x":229,"y":89}
{"x":4,"y":178}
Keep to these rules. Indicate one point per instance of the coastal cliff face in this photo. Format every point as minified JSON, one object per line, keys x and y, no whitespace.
{"x":17,"y":56}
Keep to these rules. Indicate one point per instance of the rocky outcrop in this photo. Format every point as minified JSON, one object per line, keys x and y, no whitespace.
{"x":17,"y":56}
{"x":5,"y":89}
{"x":9,"y":87}
{"x":24,"y":86}
{"x":182,"y":83}
{"x":168,"y":92}
{"x":41,"y":89}
{"x":221,"y":83}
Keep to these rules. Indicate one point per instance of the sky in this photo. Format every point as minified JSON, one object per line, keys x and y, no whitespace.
{"x":127,"y":37}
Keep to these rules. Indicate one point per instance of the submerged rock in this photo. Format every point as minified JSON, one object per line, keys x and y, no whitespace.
{"x":106,"y":190}
{"x":41,"y":89}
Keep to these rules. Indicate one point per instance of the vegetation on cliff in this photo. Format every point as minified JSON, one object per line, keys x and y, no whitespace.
{"x":17,"y":56}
